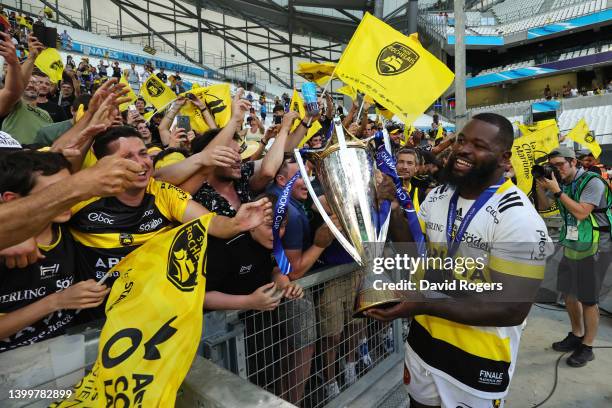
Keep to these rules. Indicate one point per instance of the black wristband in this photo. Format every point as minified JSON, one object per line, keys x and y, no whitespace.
{"x":306,"y":125}
{"x":557,"y":195}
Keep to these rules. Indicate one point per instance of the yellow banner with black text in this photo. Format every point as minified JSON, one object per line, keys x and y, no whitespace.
{"x":153,"y":323}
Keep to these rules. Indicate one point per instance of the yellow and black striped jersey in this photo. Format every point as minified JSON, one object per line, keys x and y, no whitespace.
{"x":509,"y":236}
{"x":106,"y":230}
{"x":21,"y":287}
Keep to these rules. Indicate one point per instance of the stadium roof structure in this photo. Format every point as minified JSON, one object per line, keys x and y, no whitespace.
{"x":330,"y":20}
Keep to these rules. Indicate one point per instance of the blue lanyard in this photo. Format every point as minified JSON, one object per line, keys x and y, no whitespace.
{"x":453,"y":242}
{"x":280,"y":212}
{"x":386,"y":164}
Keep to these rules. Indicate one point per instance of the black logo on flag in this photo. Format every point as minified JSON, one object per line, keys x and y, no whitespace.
{"x":155,"y":87}
{"x":589,"y":138}
{"x":184,"y":255}
{"x":215,"y":103}
{"x":395,"y":59}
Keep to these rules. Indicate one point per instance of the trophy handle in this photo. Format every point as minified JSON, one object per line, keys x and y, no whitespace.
{"x":343,"y":241}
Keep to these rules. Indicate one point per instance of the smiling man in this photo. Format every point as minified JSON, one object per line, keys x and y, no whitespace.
{"x":462,"y":351}
{"x":108,"y":229}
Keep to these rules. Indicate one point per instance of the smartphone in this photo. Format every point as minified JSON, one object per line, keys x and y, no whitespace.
{"x":191,"y":96}
{"x":278,"y":120}
{"x":46,"y":35}
{"x":183,"y":122}
{"x":132,"y":108}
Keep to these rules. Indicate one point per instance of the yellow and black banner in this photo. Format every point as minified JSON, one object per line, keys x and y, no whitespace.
{"x":529,"y":148}
{"x":153,"y":323}
{"x":218,"y":99}
{"x":50,"y":62}
{"x":320,"y":73}
{"x":156,"y":93}
{"x":392,"y":68}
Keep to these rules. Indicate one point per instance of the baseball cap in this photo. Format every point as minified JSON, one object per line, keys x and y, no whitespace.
{"x":8,"y":142}
{"x":562,"y":151}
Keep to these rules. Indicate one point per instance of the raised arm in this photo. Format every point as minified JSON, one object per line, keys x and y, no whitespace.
{"x":34,"y":49}
{"x":179,"y":173}
{"x":164,"y":125}
{"x":249,"y":216}
{"x":208,"y":116}
{"x":274,"y":158}
{"x":239,"y":108}
{"x":103,"y":106}
{"x":25,"y":217}
{"x":13,"y":83}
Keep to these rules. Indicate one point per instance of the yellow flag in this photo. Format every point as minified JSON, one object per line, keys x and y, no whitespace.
{"x":526,"y":149}
{"x":581,"y":134}
{"x":348,"y":91}
{"x":297,"y":105}
{"x":393,"y":68}
{"x":153,"y":323}
{"x":218,"y":98}
{"x":49,"y":61}
{"x":321,"y":73}
{"x":440,"y":132}
{"x":147,"y":116}
{"x":79,"y":113}
{"x":130,"y":94}
{"x":407,"y":133}
{"x":156,"y":93}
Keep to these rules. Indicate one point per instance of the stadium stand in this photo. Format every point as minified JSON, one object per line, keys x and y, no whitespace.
{"x":518,"y":15}
{"x":556,"y":56}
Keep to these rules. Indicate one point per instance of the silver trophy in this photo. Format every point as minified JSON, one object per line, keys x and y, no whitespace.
{"x":346,"y":171}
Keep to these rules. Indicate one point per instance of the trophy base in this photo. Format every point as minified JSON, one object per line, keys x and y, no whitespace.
{"x":358,"y":313}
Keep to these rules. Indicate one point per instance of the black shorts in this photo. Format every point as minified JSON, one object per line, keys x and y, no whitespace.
{"x":583,"y":278}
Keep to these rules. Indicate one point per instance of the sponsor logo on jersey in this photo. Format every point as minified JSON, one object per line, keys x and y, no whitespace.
{"x":150,"y":225}
{"x":490,"y":377}
{"x":245,"y":269}
{"x":50,"y":271}
{"x":26,"y":294}
{"x":101,"y":217}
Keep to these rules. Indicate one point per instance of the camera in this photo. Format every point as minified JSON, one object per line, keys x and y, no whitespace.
{"x":545,"y":170}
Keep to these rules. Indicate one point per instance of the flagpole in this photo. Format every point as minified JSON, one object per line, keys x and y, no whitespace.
{"x":360,"y":109}
{"x":331,"y":78}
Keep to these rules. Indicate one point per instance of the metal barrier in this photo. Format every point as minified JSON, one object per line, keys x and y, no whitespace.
{"x":299,"y":349}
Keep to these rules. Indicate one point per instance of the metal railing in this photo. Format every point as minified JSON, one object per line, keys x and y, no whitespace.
{"x":305,"y":344}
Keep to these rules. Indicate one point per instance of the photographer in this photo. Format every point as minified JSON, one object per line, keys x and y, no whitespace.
{"x":584,"y":203}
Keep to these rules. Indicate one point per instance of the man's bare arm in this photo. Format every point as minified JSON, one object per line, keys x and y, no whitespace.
{"x":25,"y":217}
{"x":13,"y":84}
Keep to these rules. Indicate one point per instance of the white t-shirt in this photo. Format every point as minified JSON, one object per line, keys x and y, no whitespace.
{"x":510,"y":237}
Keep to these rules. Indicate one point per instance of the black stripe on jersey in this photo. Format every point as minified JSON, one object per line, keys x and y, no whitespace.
{"x":109,"y":215}
{"x":510,"y":196}
{"x":518,"y":203}
{"x":464,"y":367}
